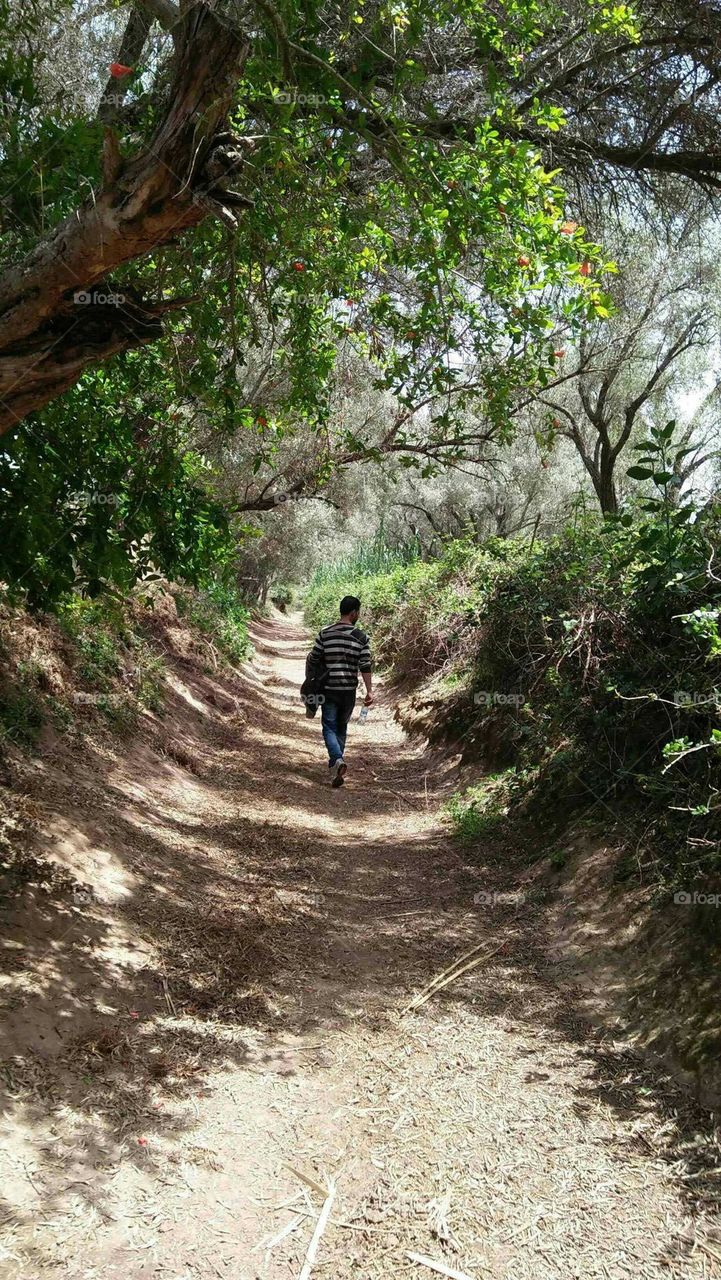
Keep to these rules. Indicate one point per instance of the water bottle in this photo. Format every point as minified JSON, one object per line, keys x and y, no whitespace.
{"x":363,"y":715}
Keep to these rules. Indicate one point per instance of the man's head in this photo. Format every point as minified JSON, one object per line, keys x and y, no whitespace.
{"x":349,"y":608}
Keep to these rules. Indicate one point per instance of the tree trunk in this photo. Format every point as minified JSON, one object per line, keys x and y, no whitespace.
{"x":601,"y":471}
{"x":49,"y":335}
{"x":606,"y":485}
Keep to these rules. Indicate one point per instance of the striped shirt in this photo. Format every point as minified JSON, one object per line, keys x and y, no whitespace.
{"x":345,"y":650}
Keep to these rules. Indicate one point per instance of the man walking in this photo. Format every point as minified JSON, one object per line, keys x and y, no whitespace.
{"x":344,"y":650}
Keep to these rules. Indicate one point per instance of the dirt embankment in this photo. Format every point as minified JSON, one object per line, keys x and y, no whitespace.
{"x":640,"y":965}
{"x":209,"y":955}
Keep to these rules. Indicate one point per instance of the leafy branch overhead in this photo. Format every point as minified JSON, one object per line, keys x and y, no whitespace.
{"x":314,"y":138}
{"x":248,"y":246}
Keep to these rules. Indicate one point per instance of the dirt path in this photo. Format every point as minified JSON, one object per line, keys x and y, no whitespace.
{"x":233,"y":1006}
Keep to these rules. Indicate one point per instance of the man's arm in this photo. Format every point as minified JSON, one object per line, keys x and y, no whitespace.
{"x":316,"y":657}
{"x":365,"y":667}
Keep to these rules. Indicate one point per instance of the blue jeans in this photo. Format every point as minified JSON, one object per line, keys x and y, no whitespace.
{"x":335,"y":714}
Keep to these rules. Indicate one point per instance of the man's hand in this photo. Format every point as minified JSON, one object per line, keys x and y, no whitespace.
{"x":368,"y":682}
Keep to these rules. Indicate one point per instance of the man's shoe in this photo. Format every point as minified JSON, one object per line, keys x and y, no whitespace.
{"x":338,"y":772}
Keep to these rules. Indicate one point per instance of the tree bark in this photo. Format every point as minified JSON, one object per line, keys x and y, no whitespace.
{"x":47,"y":336}
{"x":606,"y":490}
{"x":601,"y":472}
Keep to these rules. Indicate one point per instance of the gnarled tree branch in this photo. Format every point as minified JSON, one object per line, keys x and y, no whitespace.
{"x":46,"y":339}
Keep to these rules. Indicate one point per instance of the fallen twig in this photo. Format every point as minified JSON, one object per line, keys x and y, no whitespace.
{"x":272,"y":1241}
{"x":440,"y":1267}
{"x":453,"y":971}
{"x":169,"y":999}
{"x":309,"y":1182}
{"x":213,"y":652}
{"x":320,"y":1227}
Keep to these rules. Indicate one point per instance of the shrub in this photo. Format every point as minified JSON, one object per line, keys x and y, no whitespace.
{"x":282,"y":597}
{"x":594,"y":657}
{"x":21,"y":717}
{"x":220,"y":613}
{"x":98,"y":628}
{"x":478,"y":811}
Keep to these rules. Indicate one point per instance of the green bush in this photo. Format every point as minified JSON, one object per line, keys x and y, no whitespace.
{"x":375,"y":572}
{"x":123,"y":499}
{"x":479,"y":810}
{"x":150,"y":671}
{"x":98,"y":629}
{"x":21,"y":717}
{"x":594,"y":657}
{"x":220,"y":613}
{"x":282,"y":597}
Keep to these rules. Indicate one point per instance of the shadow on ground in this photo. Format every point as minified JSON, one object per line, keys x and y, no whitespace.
{"x":236,"y":894}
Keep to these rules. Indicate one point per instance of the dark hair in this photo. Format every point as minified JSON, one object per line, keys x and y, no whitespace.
{"x":349,"y":604}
